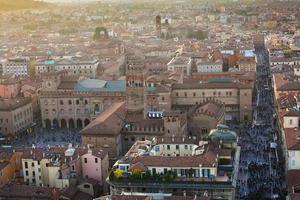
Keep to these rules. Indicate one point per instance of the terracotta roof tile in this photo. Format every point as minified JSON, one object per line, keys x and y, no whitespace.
{"x":109,"y":122}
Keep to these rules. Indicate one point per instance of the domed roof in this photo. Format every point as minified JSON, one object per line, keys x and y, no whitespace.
{"x":223,"y":133}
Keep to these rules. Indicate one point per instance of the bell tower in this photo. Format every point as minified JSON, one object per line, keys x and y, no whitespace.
{"x":135,"y":83}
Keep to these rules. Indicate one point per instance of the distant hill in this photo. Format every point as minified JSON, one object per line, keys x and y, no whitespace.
{"x":20,"y":4}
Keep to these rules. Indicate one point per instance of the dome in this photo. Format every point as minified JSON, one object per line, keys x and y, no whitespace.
{"x":223,"y":133}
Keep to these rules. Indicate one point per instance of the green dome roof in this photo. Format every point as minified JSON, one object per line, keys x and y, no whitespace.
{"x":223,"y":133}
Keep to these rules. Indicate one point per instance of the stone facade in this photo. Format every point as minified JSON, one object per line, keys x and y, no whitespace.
{"x":236,"y":97}
{"x":15,"y":116}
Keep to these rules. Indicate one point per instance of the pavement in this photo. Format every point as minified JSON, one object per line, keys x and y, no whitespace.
{"x":261,"y":172}
{"x":44,"y":137}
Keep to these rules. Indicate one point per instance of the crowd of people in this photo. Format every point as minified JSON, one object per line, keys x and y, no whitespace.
{"x":43,"y":137}
{"x":261,"y":170}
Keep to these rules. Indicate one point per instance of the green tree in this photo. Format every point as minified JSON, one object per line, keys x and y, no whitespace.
{"x":98,"y":32}
{"x":31,"y":68}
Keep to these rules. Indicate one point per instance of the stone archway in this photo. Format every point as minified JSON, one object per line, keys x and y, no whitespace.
{"x":55,"y":123}
{"x":47,"y":123}
{"x":79,"y":123}
{"x":63,"y":123}
{"x":86,"y":122}
{"x":71,"y":123}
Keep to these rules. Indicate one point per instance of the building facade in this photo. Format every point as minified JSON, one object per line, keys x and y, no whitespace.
{"x":16,"y":117}
{"x":87,"y":68}
{"x":15,"y":66}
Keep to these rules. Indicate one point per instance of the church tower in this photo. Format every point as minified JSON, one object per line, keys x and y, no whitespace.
{"x":135,"y":83}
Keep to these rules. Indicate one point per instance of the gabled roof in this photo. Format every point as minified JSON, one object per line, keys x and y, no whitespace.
{"x":109,"y":122}
{"x":293,"y":178}
{"x":95,"y":85}
{"x":292,"y":138}
{"x":295,"y":85}
{"x":292,"y":113}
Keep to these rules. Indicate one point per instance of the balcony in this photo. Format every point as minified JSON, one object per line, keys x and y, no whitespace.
{"x":169,"y":181}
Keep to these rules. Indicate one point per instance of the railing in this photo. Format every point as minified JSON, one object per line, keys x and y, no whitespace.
{"x":171,"y":184}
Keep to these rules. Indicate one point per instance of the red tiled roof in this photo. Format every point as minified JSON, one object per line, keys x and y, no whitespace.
{"x":207,"y":159}
{"x":293,"y":178}
{"x":292,"y":138}
{"x":109,"y":122}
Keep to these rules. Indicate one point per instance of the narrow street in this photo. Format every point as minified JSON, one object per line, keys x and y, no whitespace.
{"x":261,"y":173}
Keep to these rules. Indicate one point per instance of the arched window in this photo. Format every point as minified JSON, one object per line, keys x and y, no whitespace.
{"x":97,"y":108}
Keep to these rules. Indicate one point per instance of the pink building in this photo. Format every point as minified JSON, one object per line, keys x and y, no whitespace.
{"x":95,"y":165}
{"x":9,"y":88}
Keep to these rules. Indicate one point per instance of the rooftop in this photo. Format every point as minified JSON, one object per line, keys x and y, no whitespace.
{"x":95,"y":85}
{"x":12,"y":104}
{"x":109,"y":122}
{"x":223,"y":133}
{"x":12,"y":190}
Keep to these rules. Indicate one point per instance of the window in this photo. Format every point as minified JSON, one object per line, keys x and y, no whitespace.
{"x":204,"y":130}
{"x":26,"y":165}
{"x":86,"y":186}
{"x":182,"y":172}
{"x":61,"y":102}
{"x":291,"y":121}
{"x":168,"y":147}
{"x":176,"y":94}
{"x":85,"y":160}
{"x":70,"y":102}
{"x":153,"y":171}
{"x":77,"y":102}
{"x":177,"y":147}
{"x":33,"y":173}
{"x":185,"y":146}
{"x":32,"y":164}
{"x":96,"y":160}
{"x":165,"y":170}
{"x":85,"y":102}
{"x":185,"y":94}
{"x":194,"y":94}
{"x":26,"y":173}
{"x":293,"y":153}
